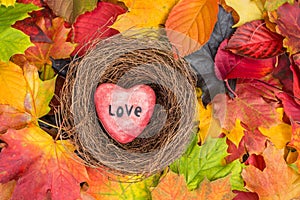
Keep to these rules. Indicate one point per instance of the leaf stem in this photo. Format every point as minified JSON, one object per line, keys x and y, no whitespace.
{"x":230,"y":89}
{"x":48,"y":124}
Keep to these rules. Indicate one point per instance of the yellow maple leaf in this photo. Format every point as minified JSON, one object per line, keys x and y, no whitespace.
{"x":23,"y":95}
{"x":279,"y":134}
{"x":208,"y":126}
{"x":7,"y":2}
{"x":247,"y":10}
{"x":39,"y":93}
{"x":143,"y":14}
{"x":13,"y":85}
{"x":236,"y":134}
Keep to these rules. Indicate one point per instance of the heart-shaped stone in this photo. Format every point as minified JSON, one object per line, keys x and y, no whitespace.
{"x":124,"y":113}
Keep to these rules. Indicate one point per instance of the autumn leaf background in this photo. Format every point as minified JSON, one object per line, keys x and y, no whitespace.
{"x":246,"y":55}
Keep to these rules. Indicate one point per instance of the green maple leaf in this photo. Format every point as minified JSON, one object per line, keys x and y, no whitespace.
{"x":208,"y":161}
{"x":13,"y":41}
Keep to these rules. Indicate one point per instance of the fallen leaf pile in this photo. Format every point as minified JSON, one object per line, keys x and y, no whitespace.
{"x":246,"y":54}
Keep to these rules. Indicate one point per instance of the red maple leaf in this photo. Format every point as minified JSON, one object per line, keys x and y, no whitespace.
{"x":40,"y":54}
{"x":295,"y":67}
{"x":41,"y":166}
{"x":30,"y":25}
{"x":255,"y":40}
{"x":291,"y":107}
{"x":230,"y":66}
{"x":250,"y":105}
{"x":288,"y":25}
{"x":94,"y":25}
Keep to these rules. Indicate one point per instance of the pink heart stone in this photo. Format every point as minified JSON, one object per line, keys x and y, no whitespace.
{"x":124,"y":113}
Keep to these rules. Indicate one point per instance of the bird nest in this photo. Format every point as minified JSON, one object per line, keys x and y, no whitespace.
{"x":128,"y":61}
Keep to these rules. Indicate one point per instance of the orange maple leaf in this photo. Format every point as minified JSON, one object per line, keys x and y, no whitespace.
{"x":190,"y":24}
{"x":41,"y":166}
{"x":7,"y":190}
{"x":40,"y":54}
{"x":173,"y":187}
{"x":295,"y":140}
{"x":100,"y":186}
{"x":276,"y":181}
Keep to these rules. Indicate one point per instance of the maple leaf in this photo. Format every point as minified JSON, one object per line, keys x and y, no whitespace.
{"x":13,"y":86}
{"x":95,"y":25}
{"x":241,"y":195}
{"x":24,"y":97}
{"x":253,"y":39}
{"x":284,"y":74}
{"x":253,"y":142}
{"x":256,"y":161}
{"x":288,"y":25}
{"x":172,"y":187}
{"x":248,"y":10}
{"x":295,"y":68}
{"x":40,"y":54}
{"x":208,"y":125}
{"x":208,"y":161}
{"x":143,"y":14}
{"x":100,"y":186}
{"x":271,"y":5}
{"x":7,"y":2}
{"x":190,"y":24}
{"x":235,"y":152}
{"x":32,"y":154}
{"x":236,"y":134}
{"x":203,"y":60}
{"x":13,"y":41}
{"x":280,"y":134}
{"x":290,"y":106}
{"x":253,"y":109}
{"x":39,"y":93}
{"x":70,"y":9}
{"x":35,"y":2}
{"x":295,"y":140}
{"x":230,"y":66}
{"x":7,"y":190}
{"x":12,"y":118}
{"x":29,"y":25}
{"x":276,"y":181}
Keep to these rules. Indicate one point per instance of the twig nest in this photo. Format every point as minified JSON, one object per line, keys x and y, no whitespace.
{"x":128,"y":61}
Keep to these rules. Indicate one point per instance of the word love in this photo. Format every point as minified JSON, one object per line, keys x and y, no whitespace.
{"x":120,"y":111}
{"x":124,"y":113}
